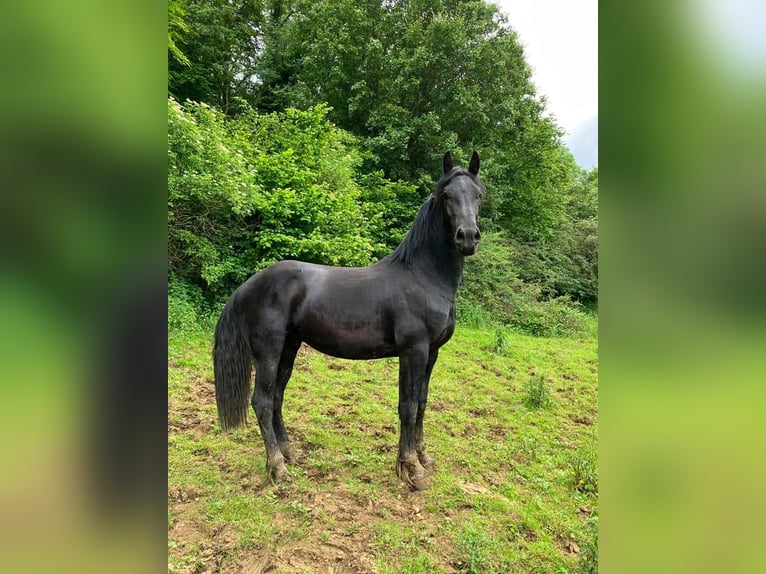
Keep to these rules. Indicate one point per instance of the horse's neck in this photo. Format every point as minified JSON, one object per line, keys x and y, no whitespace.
{"x":439,"y":262}
{"x":429,"y":252}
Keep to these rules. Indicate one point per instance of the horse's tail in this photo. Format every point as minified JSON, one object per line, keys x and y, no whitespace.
{"x":232,"y":365}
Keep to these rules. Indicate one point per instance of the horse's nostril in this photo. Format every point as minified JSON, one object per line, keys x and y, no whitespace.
{"x":460,"y":234}
{"x":477,"y":236}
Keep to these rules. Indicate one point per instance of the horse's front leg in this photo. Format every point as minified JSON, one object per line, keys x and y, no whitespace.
{"x":425,"y":460}
{"x":413,"y":371}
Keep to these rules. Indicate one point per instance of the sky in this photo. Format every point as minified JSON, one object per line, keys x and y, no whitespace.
{"x":560,"y":39}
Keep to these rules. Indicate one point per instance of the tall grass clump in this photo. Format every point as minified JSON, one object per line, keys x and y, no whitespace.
{"x":584,"y":469}
{"x":470,"y":314}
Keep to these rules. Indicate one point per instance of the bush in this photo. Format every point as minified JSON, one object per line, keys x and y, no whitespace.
{"x":249,"y":191}
{"x":475,"y":551}
{"x":491,"y":282}
{"x":500,"y":344}
{"x":471,"y":314}
{"x":566,"y":264}
{"x":184,"y":306}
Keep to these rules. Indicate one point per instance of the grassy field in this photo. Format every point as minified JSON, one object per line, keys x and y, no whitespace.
{"x":511,"y":423}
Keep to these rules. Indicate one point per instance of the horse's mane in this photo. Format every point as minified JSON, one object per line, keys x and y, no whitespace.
{"x":428,"y":221}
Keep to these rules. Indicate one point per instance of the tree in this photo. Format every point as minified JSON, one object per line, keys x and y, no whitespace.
{"x":220,"y":39}
{"x":177,"y":28}
{"x":416,"y":77}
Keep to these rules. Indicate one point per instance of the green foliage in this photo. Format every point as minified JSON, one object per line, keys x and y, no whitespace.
{"x":500,"y":344}
{"x":177,"y":28}
{"x":428,"y":76}
{"x":584,"y":468}
{"x":492,"y":281}
{"x":567,"y":263}
{"x":184,"y":305}
{"x":384,"y":89}
{"x":536,"y":394}
{"x":475,"y":551}
{"x":218,"y":40}
{"x":471,"y":314}
{"x":247,"y":192}
{"x":389,"y":208}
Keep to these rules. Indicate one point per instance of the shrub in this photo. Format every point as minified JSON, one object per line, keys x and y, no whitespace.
{"x":476,"y":551}
{"x":491,"y":282}
{"x":249,"y":191}
{"x":500,"y":344}
{"x":471,"y":314}
{"x":184,"y":306}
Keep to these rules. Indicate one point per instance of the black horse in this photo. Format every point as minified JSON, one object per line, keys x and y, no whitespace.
{"x":403,"y":305}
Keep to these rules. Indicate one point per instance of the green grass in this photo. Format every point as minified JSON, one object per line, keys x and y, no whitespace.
{"x":515,"y":491}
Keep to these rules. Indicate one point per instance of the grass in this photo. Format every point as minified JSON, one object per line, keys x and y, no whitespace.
{"x":516,"y":487}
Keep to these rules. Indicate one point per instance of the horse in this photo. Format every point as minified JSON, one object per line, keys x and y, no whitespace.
{"x":401,"y":306}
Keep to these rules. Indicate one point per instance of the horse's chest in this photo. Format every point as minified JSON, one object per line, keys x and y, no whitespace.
{"x":443,"y":326}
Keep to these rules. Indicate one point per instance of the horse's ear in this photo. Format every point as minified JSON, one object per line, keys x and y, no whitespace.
{"x":447,"y":162}
{"x":473,"y":167}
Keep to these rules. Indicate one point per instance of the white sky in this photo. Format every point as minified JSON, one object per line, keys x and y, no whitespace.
{"x":560,"y":39}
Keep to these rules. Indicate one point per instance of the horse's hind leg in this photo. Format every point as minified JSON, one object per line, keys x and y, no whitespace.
{"x":264,"y":398}
{"x":286,"y":362}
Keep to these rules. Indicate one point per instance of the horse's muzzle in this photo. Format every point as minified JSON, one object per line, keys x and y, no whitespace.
{"x":467,"y":239}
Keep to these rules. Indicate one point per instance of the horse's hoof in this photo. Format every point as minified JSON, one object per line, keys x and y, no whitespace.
{"x":289,"y":453}
{"x":427,"y":462}
{"x":413,"y":474}
{"x":278,"y":474}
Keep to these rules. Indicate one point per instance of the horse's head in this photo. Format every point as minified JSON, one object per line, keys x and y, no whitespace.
{"x":460,"y":192}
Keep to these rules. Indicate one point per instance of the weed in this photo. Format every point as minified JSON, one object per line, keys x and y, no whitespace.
{"x":500,"y":346}
{"x":584,"y":468}
{"x":471,"y":315}
{"x":297,"y":509}
{"x":536,"y":395}
{"x":475,"y":551}
{"x":529,"y":445}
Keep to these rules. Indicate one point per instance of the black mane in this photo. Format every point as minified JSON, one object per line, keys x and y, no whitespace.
{"x":427,"y":222}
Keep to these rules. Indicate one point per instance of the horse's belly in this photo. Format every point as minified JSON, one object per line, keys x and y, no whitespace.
{"x":352,"y":338}
{"x":351,"y":345}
